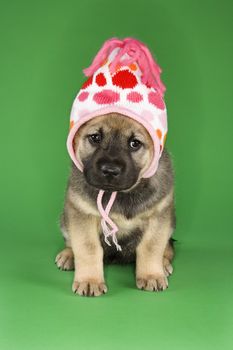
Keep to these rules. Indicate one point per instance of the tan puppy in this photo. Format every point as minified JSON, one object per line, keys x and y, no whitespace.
{"x":115,"y":151}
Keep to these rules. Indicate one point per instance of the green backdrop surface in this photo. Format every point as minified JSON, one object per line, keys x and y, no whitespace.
{"x":44,"y":46}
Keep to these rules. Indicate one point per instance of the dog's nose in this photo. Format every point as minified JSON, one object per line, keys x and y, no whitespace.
{"x":110,"y":169}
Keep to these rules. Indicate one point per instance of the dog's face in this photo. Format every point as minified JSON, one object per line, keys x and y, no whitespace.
{"x":115,"y":151}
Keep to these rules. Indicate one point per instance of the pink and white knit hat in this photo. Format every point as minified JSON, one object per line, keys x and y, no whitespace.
{"x":123,"y":78}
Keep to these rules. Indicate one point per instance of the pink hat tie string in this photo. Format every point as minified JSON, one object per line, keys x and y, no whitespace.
{"x":108,"y":226}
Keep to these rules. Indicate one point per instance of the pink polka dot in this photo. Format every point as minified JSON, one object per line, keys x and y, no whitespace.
{"x":134,"y":97}
{"x":82,"y":113}
{"x":147,"y":115}
{"x":163,"y":119}
{"x":156,"y":100}
{"x":83,"y":96}
{"x":106,"y":96}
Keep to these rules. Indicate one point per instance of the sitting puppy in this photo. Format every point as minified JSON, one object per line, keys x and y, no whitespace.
{"x":119,"y":204}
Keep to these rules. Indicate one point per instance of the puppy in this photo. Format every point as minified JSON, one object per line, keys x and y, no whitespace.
{"x":115,"y":151}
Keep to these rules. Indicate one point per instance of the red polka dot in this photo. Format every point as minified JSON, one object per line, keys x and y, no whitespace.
{"x":134,"y":96}
{"x":83,"y":96}
{"x":106,"y":97}
{"x":124,"y":79}
{"x":156,"y":100}
{"x":87,"y":83}
{"x":100,"y":79}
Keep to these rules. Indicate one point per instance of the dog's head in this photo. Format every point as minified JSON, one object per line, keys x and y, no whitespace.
{"x":115,"y":151}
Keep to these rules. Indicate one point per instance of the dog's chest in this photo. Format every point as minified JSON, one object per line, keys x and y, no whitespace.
{"x":128,"y":240}
{"x":126,"y":226}
{"x":129,"y":235}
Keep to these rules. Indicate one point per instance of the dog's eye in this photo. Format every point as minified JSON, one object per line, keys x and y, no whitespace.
{"x":135,"y":144}
{"x":95,"y":138}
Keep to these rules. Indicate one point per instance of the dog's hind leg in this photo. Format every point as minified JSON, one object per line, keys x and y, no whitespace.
{"x":65,"y":259}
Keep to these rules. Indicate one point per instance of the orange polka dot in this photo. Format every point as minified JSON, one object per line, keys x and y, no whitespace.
{"x":133,"y":66}
{"x":104,"y":62}
{"x":159,"y":133}
{"x":118,"y":66}
{"x":71,"y":124}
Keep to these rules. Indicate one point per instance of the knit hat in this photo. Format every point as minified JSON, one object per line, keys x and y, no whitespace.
{"x":125,"y":79}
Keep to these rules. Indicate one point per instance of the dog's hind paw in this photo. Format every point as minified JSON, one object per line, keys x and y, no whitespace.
{"x":65,"y":260}
{"x":168,"y":269}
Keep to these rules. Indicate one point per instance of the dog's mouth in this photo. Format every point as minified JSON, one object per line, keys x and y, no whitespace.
{"x":109,"y":187}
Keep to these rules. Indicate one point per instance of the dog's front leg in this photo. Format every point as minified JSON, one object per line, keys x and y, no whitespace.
{"x":88,"y":255}
{"x":150,"y":274}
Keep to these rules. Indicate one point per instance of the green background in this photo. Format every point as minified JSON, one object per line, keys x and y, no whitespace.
{"x":44,"y":47}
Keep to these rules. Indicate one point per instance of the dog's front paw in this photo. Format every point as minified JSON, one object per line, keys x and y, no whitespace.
{"x":152,"y":282}
{"x":89,"y":288}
